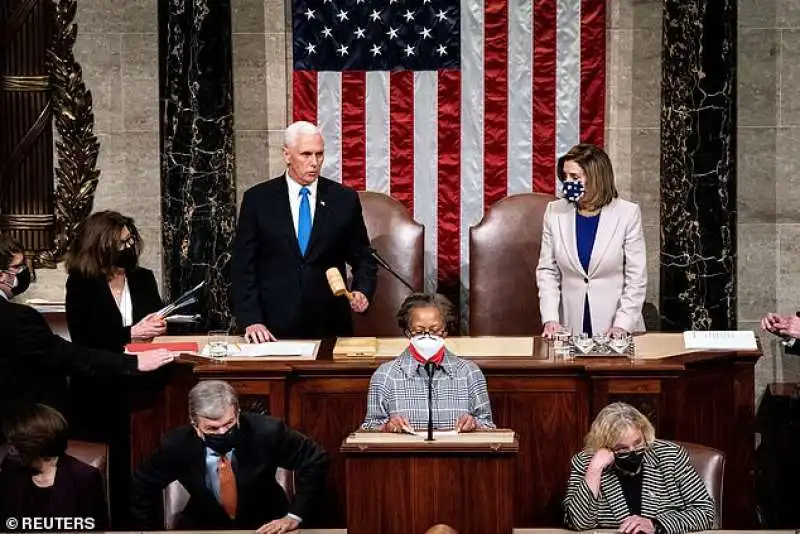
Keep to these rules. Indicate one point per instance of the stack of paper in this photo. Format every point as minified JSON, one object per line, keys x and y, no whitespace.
{"x":720,"y":340}
{"x":274,"y":348}
{"x":355,"y":348}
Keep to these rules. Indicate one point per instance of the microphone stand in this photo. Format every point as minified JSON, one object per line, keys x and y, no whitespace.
{"x":430,"y":368}
{"x":384,"y":264}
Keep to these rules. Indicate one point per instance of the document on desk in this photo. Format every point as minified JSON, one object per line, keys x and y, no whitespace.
{"x":720,"y":340}
{"x":277,"y":348}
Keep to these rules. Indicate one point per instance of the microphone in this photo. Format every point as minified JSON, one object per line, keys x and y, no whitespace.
{"x":336,"y":283}
{"x":383,"y":263}
{"x":430,"y":368}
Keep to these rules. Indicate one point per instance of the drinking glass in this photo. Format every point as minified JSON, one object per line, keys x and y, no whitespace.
{"x":561,"y":344}
{"x":619,"y":342}
{"x":583,"y":343}
{"x":218,"y":343}
{"x":601,"y":342}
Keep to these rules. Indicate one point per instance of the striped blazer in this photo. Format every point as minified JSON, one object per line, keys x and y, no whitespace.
{"x":673,"y":494}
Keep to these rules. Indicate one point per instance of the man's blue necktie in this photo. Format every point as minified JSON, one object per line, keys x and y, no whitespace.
{"x":304,"y":221}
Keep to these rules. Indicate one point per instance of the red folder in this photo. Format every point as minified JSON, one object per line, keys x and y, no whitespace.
{"x":184,"y":346}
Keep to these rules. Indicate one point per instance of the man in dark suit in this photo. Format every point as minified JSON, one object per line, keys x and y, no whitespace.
{"x":292,"y":229}
{"x":227,"y":462}
{"x":35,"y":362}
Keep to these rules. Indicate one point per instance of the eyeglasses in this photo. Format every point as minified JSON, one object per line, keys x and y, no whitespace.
{"x":430,"y":332}
{"x":16,"y":269}
{"x":627,"y":453}
{"x":128,"y":243}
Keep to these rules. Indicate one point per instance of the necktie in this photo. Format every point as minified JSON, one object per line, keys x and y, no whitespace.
{"x":227,"y":486}
{"x":304,"y":221}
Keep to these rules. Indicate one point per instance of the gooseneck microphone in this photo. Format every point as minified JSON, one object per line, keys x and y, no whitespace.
{"x":430,"y":368}
{"x":384,"y":264}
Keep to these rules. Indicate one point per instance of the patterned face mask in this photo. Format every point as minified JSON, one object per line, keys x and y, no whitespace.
{"x":573,"y":190}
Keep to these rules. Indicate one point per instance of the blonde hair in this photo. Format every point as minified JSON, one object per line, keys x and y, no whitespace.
{"x":612,"y":422}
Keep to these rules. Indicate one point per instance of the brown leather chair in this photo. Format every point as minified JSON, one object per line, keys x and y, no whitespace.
{"x":710,"y":465}
{"x":503,"y":255}
{"x":399,"y":240}
{"x":176,"y":497}
{"x":94,"y":454}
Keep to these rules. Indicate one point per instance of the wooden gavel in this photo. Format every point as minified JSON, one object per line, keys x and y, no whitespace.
{"x":336,"y":282}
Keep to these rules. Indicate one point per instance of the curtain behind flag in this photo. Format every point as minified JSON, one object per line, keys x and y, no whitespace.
{"x":449,"y":106}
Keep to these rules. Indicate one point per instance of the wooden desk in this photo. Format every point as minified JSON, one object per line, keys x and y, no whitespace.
{"x":700,"y":397}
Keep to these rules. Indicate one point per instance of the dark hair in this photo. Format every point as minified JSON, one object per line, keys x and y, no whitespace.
{"x":37,"y":431}
{"x":95,"y":250}
{"x":600,"y":188}
{"x":9,"y":247}
{"x":424,"y":300}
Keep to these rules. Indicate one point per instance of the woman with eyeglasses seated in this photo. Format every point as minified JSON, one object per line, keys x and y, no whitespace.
{"x":398,"y":390}
{"x":626,"y":479}
{"x":111,"y":301}
{"x":40,"y":480}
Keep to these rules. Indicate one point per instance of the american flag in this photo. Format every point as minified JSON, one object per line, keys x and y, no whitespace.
{"x":449,"y":106}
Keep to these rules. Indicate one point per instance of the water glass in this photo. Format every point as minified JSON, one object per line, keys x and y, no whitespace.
{"x":583,"y":343}
{"x":601,"y":342}
{"x":561,"y":344}
{"x":218,"y":343}
{"x":619,"y":342}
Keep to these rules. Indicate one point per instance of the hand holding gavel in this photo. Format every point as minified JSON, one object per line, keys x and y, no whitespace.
{"x":358,"y":301}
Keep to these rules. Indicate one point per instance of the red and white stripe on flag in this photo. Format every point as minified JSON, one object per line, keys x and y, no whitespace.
{"x":448,"y":144}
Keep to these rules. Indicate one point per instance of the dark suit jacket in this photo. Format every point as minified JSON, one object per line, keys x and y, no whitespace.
{"x":77,"y":492}
{"x":273,"y":284}
{"x":34,"y":362}
{"x":92,"y":314}
{"x":268,"y":444}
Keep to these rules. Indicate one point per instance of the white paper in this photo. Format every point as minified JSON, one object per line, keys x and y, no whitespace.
{"x":436,"y":433}
{"x":720,"y":340}
{"x":274,"y":348}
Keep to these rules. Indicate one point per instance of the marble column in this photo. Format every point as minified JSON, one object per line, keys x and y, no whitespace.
{"x":197,"y":162}
{"x":698,"y":171}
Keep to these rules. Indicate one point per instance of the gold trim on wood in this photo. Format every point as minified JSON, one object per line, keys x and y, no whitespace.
{"x":26,"y":221}
{"x":24,"y":83}
{"x":77,"y":147}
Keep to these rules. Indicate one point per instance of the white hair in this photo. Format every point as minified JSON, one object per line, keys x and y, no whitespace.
{"x":210,"y":399}
{"x":299,"y":128}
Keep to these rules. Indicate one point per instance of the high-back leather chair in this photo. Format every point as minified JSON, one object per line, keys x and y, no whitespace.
{"x":94,"y":454}
{"x":503,"y":255}
{"x":710,"y":465}
{"x":399,"y":240}
{"x":176,"y":497}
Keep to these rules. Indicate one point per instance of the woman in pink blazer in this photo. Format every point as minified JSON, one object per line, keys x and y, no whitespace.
{"x":592,"y":272}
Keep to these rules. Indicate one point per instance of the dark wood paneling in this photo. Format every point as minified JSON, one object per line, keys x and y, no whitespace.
{"x":549,"y":415}
{"x":404,"y":493}
{"x":328,"y":409}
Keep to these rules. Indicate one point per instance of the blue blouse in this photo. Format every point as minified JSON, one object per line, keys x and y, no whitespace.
{"x":585,"y":233}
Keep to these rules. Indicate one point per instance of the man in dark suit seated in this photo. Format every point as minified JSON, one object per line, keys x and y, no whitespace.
{"x":292,"y":229}
{"x":35,"y":362}
{"x":227,"y":461}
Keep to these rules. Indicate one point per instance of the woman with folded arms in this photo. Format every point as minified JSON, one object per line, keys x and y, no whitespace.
{"x":398,"y":391}
{"x":592,"y":271}
{"x":39,"y":479}
{"x":626,"y":479}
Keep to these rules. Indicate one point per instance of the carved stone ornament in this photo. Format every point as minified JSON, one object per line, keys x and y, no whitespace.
{"x":77,"y":146}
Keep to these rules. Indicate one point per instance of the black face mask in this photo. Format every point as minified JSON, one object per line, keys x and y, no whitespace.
{"x":23,"y":282}
{"x":222,"y":444}
{"x":127,"y":259}
{"x":629,"y":462}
